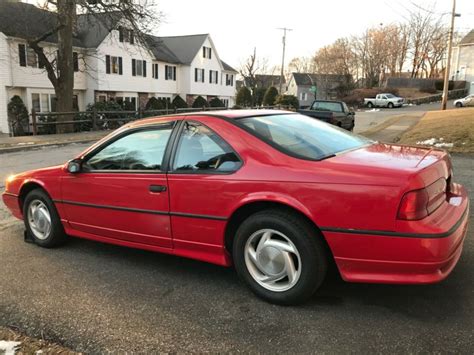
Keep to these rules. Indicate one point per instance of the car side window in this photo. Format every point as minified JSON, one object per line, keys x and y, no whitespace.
{"x":137,"y":151}
{"x":202,"y":150}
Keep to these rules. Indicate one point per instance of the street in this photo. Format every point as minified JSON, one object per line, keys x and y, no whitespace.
{"x":95,"y":297}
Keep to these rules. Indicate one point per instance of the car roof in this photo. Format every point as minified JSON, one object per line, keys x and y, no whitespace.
{"x":232,"y":114}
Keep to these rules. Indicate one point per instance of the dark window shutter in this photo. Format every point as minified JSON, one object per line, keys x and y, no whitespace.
{"x":22,"y":54}
{"x":75,"y":61}
{"x":41,"y":63}
{"x":210,"y":53}
{"x":153,"y":70}
{"x":132,"y":37}
{"x":217,"y":77}
{"x":204,"y":52}
{"x":120,"y":29}
{"x":210,"y":76}
{"x":107,"y":64}
{"x":203,"y":73}
{"x":174,"y":73}
{"x":144,"y":68}
{"x":120,"y":65}
{"x":195,"y":75}
{"x":134,"y":67}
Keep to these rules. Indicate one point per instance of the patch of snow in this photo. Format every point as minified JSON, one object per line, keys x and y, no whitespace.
{"x":430,"y":141}
{"x":26,"y":143}
{"x":436,"y":142}
{"x":446,"y":145}
{"x":8,"y":347}
{"x":373,"y":110}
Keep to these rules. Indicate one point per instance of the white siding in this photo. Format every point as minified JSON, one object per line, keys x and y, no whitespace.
{"x":5,"y":80}
{"x":206,"y":88}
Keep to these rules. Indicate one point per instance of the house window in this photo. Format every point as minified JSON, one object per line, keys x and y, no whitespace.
{"x":126,"y":35}
{"x":113,"y":65}
{"x":229,"y":80}
{"x":129,"y":103}
{"x":138,"y":67}
{"x":303,"y":96}
{"x":170,"y":72}
{"x":198,"y":75}
{"x":226,"y":102}
{"x":27,"y":56}
{"x":213,"y":77}
{"x":154,"y":70}
{"x":206,"y":52}
{"x":44,"y":102}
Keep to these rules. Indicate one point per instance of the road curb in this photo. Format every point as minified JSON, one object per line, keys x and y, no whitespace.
{"x":39,"y":146}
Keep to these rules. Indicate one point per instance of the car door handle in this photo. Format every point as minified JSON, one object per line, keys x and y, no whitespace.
{"x":157,"y":188}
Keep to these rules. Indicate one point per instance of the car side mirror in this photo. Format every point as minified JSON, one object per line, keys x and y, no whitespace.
{"x":74,"y":166}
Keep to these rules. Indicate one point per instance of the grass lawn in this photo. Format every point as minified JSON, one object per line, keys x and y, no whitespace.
{"x":452,"y":130}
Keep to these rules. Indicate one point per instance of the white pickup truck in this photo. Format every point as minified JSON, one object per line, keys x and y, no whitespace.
{"x":384,"y":100}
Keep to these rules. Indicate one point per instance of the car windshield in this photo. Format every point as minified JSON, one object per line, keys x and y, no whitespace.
{"x":390,"y":96}
{"x":302,"y":136}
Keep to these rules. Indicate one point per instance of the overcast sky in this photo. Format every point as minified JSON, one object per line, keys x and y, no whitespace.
{"x":237,"y":26}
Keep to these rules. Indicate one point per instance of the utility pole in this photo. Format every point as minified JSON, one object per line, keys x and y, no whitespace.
{"x":448,"y":64}
{"x":283,"y":56}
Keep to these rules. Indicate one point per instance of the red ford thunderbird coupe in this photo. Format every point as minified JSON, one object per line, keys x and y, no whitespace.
{"x":276,"y":194}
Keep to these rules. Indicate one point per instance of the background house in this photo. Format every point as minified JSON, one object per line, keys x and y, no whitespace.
{"x":462,"y":65}
{"x":109,"y":64}
{"x":327,"y":86}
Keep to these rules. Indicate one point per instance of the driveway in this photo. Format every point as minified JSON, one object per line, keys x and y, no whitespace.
{"x":95,"y":298}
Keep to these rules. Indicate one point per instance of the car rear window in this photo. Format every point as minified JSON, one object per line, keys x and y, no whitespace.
{"x":301,"y":136}
{"x":327,"y":106}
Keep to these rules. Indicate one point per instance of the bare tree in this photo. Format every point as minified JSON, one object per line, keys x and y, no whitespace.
{"x":138,"y":16}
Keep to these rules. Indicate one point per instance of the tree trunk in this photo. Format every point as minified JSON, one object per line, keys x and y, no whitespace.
{"x":64,"y":88}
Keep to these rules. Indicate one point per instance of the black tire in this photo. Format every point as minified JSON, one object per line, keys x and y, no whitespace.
{"x":306,"y":239}
{"x":370,"y":104}
{"x":56,"y":235}
{"x":458,"y":104}
{"x":390,"y":105}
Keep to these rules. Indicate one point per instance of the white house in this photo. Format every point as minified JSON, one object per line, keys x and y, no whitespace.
{"x":462,"y":67}
{"x":108,"y":64}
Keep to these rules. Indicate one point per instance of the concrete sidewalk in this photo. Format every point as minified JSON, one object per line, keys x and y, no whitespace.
{"x":391,"y":130}
{"x":14,"y":144}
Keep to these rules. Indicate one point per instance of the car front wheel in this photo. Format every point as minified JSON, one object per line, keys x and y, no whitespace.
{"x":42,"y":221}
{"x":280,"y":256}
{"x":458,"y":104}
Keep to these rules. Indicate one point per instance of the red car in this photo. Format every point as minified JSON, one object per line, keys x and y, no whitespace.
{"x":276,"y":194}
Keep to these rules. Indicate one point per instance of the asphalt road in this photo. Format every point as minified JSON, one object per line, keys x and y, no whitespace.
{"x":95,"y":297}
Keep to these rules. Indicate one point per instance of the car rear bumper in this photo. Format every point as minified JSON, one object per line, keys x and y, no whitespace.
{"x":403,"y":258}
{"x":11,"y":201}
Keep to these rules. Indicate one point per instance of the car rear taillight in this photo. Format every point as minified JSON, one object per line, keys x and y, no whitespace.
{"x":418,"y":204}
{"x":413,"y":205}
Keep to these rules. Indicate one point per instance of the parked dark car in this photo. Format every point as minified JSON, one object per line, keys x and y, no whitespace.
{"x":334,"y":112}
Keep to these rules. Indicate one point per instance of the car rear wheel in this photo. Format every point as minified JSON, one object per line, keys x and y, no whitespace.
{"x":370,"y":104}
{"x":458,"y":104}
{"x":390,"y":105}
{"x":280,"y":256}
{"x":42,"y":221}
